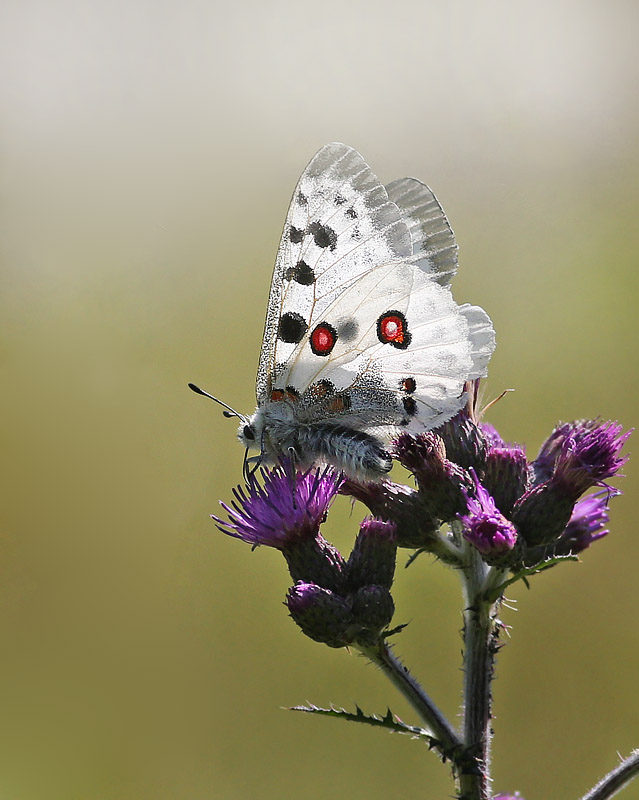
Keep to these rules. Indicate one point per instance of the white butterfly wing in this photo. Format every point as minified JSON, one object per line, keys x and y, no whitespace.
{"x":357,"y":260}
{"x":340,"y":224}
{"x":416,"y":380}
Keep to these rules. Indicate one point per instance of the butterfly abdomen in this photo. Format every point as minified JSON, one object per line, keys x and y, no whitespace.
{"x":276,"y":430}
{"x":358,"y":453}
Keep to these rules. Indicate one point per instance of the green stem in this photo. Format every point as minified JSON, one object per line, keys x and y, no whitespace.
{"x":615,"y":780}
{"x":480,"y":633}
{"x":381,"y":654}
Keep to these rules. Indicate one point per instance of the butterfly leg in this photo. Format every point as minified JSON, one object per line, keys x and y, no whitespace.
{"x":250,"y":466}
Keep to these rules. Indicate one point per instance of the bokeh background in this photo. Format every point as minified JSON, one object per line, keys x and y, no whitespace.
{"x":149,"y":154}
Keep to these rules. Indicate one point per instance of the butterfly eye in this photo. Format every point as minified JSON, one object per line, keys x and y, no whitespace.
{"x":248,"y":433}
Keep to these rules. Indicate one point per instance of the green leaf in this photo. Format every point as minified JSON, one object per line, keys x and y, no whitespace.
{"x":492,"y":595}
{"x":390,"y":722}
{"x":393,"y":631}
{"x":414,"y":556}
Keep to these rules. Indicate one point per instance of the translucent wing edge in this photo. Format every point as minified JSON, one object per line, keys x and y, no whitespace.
{"x":434,"y":246}
{"x":482,"y":338}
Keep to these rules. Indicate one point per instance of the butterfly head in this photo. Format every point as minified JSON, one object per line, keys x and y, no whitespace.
{"x":270,"y":429}
{"x":249,"y":432}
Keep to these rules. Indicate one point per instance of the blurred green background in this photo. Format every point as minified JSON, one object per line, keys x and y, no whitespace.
{"x":149,"y":153}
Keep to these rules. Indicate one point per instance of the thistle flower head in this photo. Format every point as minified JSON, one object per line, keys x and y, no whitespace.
{"x":345,"y":602}
{"x":587,"y":523}
{"x":423,"y":455}
{"x":463,"y":436}
{"x":322,"y":614}
{"x":372,"y":560}
{"x":581,"y":454}
{"x":485,"y":526}
{"x":440,"y":480}
{"x":289,"y":506}
{"x":402,"y":505}
{"x":505,"y":474}
{"x":491,"y":435}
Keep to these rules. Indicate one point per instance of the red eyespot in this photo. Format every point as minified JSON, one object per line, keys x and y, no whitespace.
{"x":408,"y":385}
{"x":393,"y":329}
{"x":339,"y":404}
{"x":323,"y":339}
{"x":290,"y":393}
{"x":320,"y":390}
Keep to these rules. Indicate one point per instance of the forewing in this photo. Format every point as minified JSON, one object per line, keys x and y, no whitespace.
{"x":432,"y":238}
{"x":340,"y":225}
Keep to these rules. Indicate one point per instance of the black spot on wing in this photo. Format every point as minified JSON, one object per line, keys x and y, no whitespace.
{"x":292,"y":327}
{"x":323,"y":235}
{"x":410,"y":406}
{"x":300,"y":273}
{"x":295,"y":234}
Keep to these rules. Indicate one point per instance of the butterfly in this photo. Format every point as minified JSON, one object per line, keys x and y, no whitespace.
{"x":362,"y":337}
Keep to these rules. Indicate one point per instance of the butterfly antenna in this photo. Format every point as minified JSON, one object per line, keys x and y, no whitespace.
{"x":229,"y":412}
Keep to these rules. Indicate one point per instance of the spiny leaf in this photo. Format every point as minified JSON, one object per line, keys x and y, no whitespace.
{"x":414,"y":556}
{"x":523,"y":574}
{"x":389,"y":721}
{"x":392,"y":631}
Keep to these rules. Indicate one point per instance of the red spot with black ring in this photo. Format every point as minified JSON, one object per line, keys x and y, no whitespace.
{"x":392,"y":328}
{"x":323,"y":339}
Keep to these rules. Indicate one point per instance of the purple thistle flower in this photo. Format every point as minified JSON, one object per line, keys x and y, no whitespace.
{"x":290,"y":506}
{"x":485,"y":526}
{"x":372,"y":560}
{"x":581,"y":454}
{"x":575,"y":457}
{"x":404,"y":506}
{"x":462,"y":435}
{"x":322,"y":614}
{"x":440,"y":481}
{"x":587,"y":523}
{"x":492,"y":435}
{"x":506,"y":474}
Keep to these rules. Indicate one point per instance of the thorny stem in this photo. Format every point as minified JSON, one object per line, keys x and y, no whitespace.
{"x":615,"y":780}
{"x":480,"y":634}
{"x":381,"y":654}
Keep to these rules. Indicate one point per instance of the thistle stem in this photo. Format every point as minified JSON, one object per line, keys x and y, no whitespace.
{"x":615,"y":780}
{"x":449,"y":744}
{"x":480,"y":633}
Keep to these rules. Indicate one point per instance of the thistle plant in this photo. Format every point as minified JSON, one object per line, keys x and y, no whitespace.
{"x":480,"y":507}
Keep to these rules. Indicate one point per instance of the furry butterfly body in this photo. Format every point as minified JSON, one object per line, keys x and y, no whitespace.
{"x":362,"y":338}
